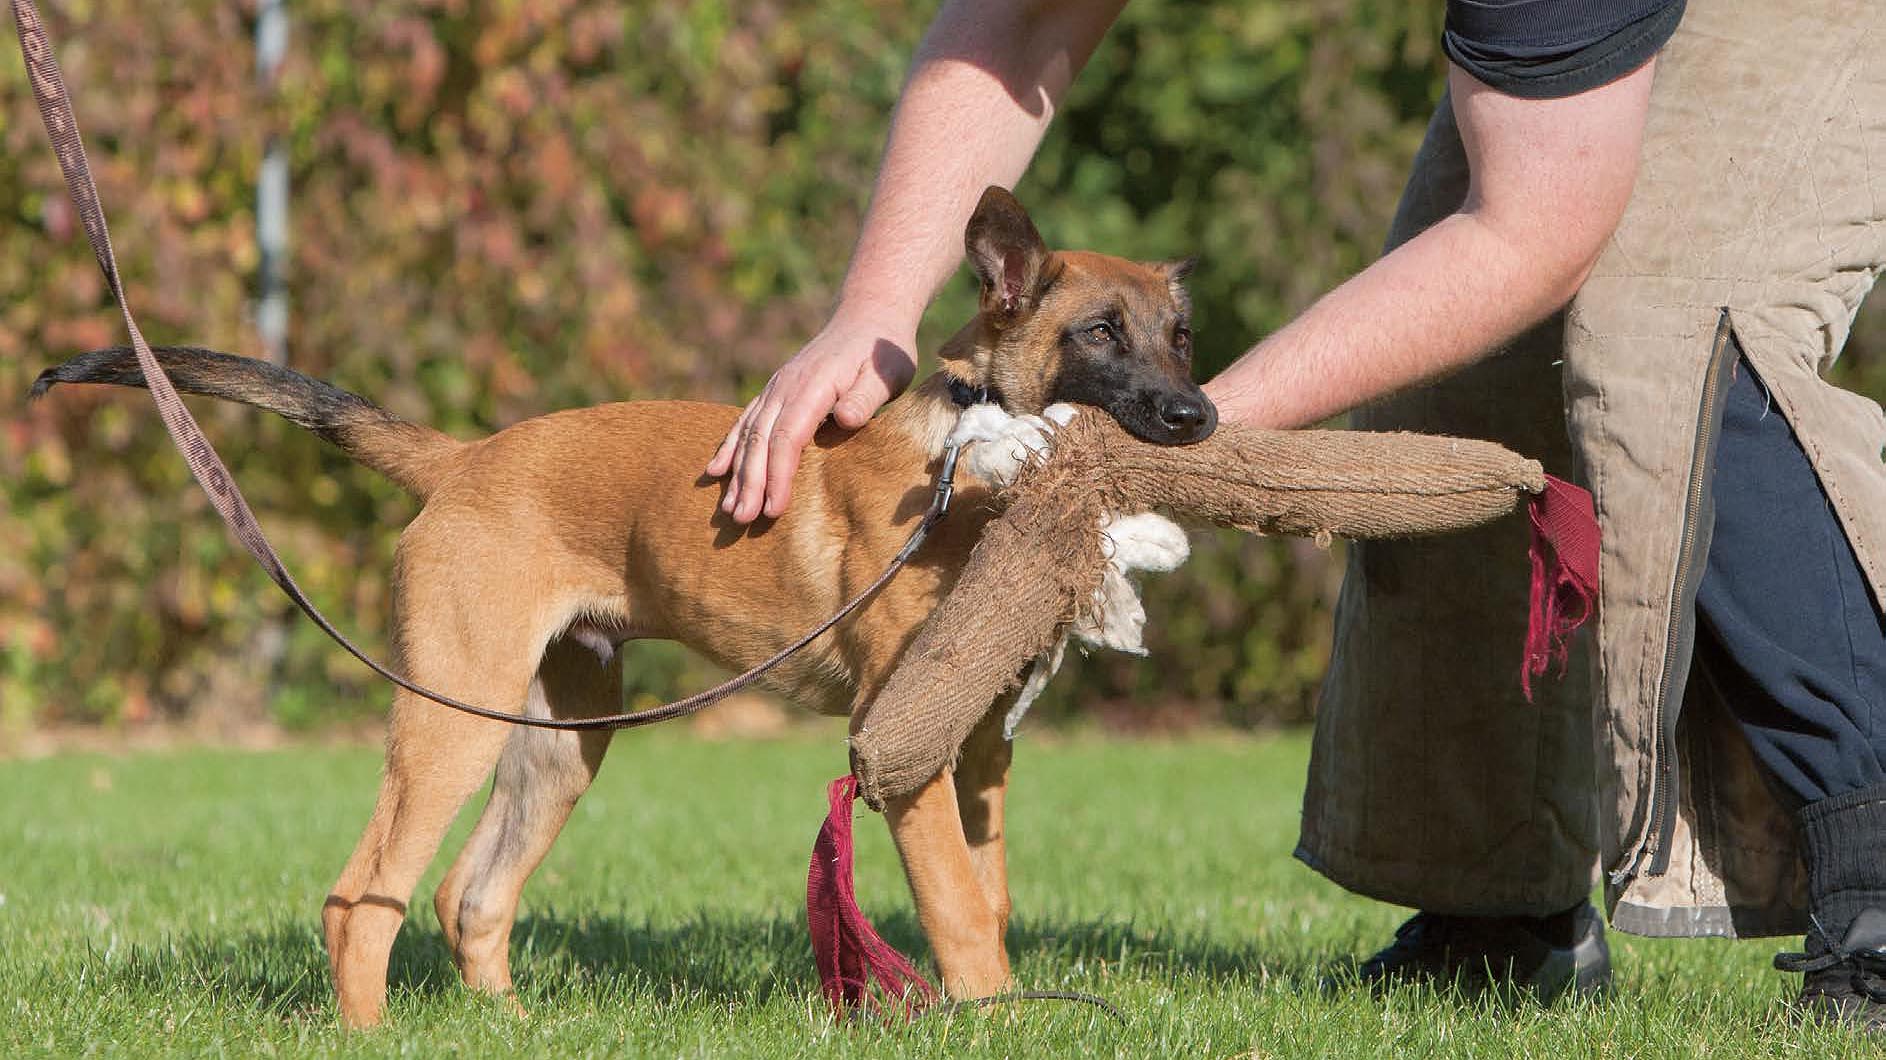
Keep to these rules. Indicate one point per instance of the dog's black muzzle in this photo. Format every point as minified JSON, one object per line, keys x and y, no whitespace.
{"x":1167,"y":417}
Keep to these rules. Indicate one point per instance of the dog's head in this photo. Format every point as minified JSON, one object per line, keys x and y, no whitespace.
{"x":1080,"y":327}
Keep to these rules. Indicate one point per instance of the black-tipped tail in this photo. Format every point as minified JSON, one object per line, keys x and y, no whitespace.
{"x":416,"y":457}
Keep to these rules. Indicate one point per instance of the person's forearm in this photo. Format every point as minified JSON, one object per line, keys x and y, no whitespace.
{"x":1436,"y":304}
{"x":1550,"y":182}
{"x":981,"y":91}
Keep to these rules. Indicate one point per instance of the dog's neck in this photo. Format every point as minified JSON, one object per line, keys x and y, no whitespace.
{"x":965,"y":395}
{"x":926,"y":413}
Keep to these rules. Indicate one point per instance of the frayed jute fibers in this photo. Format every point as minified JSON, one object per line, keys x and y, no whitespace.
{"x":1037,"y":565}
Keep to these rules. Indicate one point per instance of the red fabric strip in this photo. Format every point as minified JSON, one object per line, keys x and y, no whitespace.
{"x":850,"y":954}
{"x":1564,"y":556}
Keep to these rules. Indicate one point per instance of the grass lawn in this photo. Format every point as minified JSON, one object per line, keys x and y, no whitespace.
{"x":168,"y":904}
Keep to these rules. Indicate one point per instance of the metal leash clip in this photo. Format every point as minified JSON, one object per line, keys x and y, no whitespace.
{"x":939,"y":504}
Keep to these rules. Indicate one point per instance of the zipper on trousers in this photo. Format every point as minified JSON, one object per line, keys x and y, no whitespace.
{"x":1680,"y":640}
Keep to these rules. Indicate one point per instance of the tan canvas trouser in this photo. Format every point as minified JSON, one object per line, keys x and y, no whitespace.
{"x":1432,"y":782}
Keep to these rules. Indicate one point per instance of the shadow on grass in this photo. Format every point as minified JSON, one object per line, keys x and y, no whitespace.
{"x":602,"y":958}
{"x":1128,"y":947}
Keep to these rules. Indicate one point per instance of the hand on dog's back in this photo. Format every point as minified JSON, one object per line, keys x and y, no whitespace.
{"x":848,"y":370}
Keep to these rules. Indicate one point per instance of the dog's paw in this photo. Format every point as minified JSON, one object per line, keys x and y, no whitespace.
{"x":997,"y":445}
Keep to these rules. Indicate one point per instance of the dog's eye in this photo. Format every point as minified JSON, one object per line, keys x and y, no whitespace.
{"x":1182,"y":339}
{"x":1100,"y":333}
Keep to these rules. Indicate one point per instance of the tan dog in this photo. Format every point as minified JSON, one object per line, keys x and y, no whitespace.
{"x":542,"y":548}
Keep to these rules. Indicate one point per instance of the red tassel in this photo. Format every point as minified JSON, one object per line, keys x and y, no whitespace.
{"x":1564,"y":555}
{"x":851,"y":955}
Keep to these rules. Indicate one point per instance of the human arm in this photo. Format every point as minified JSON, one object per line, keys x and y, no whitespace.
{"x":1550,"y":180}
{"x":983,"y":86}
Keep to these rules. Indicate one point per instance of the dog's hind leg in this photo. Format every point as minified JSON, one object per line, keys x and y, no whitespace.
{"x":435,"y":759}
{"x":540,"y":776}
{"x":466,"y":641}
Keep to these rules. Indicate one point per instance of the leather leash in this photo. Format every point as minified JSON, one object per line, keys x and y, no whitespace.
{"x":55,"y":107}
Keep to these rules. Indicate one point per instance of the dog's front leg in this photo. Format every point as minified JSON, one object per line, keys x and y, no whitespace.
{"x":981,"y":778}
{"x":964,"y":929}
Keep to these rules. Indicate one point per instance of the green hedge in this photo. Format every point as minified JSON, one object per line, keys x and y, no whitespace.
{"x":501,"y":209}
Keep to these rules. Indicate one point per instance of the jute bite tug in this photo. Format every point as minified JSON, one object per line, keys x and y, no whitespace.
{"x":1072,"y":531}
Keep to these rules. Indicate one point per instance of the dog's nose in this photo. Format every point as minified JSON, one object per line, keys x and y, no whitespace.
{"x":1183,"y":415}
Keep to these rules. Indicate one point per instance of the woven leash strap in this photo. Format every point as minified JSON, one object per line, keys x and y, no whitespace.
{"x":55,"y":107}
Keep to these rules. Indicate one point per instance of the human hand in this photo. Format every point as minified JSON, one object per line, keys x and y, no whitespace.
{"x":849,"y":369}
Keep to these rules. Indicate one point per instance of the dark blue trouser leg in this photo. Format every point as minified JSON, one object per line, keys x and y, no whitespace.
{"x":1790,"y":634}
{"x":1788,"y":627}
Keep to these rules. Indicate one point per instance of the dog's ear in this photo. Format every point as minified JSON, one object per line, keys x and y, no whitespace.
{"x":1176,"y":273}
{"x":1007,"y":253}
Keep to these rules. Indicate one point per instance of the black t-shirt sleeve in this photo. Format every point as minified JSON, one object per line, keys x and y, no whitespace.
{"x":1545,"y":49}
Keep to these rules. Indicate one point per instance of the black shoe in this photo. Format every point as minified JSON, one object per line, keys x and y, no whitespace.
{"x":1543,"y":956}
{"x":1844,"y":984}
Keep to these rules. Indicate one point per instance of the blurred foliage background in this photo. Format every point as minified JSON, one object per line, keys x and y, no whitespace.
{"x":505,"y":208}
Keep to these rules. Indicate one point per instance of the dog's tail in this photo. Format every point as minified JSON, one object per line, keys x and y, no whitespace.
{"x":417,"y":458}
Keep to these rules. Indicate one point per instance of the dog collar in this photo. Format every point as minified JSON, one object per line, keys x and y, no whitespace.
{"x":965,"y":395}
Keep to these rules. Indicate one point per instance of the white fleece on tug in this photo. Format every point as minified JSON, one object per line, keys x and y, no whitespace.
{"x":1144,"y":542}
{"x":997,"y":444}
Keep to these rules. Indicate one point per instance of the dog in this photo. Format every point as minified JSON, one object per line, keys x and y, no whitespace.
{"x":541,"y":549}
